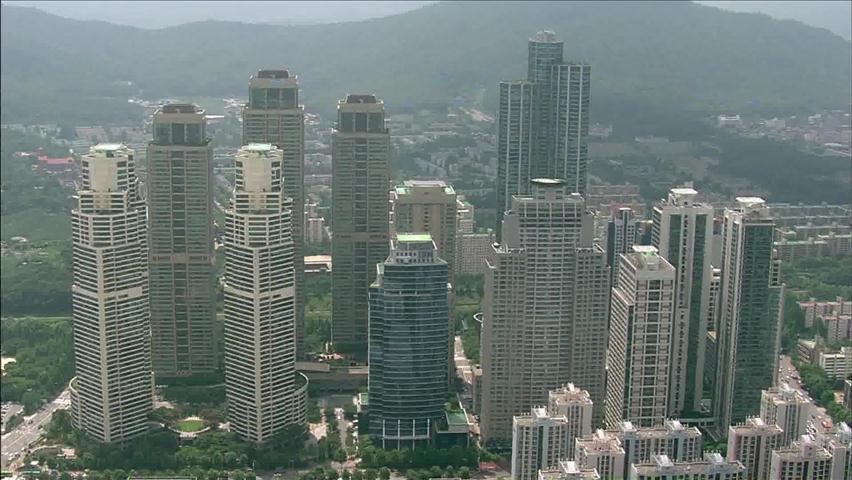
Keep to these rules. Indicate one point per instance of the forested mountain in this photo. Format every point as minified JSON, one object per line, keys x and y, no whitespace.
{"x":665,"y":55}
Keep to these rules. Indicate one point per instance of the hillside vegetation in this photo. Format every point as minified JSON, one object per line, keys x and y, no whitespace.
{"x":669,"y":55}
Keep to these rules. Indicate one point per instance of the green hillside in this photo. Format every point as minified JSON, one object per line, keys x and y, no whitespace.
{"x":670,"y":55}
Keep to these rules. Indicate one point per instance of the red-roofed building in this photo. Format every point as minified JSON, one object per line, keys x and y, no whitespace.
{"x":63,"y":164}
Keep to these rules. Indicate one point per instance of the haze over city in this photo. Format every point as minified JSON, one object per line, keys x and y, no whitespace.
{"x":426,"y":240}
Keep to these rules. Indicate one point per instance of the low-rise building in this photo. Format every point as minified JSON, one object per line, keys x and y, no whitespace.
{"x":712,"y":467}
{"x":805,"y":459}
{"x":812,"y":309}
{"x":837,"y":365}
{"x":603,"y":452}
{"x":751,"y":443}
{"x":788,"y":408}
{"x":538,"y":442}
{"x":568,"y":470}
{"x":576,"y":406}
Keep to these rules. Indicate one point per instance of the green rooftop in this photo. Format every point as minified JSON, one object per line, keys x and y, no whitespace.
{"x":456,"y":418}
{"x":414,"y":237}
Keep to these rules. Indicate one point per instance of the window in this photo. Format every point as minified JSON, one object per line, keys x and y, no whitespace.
{"x":178,"y":134}
{"x":193,"y":134}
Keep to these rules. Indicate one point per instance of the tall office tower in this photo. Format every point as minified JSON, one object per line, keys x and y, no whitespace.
{"x":514,"y":144}
{"x":682,"y":232}
{"x":620,"y":235}
{"x":360,"y":156}
{"x":544,"y":321}
{"x":180,"y":242}
{"x":712,"y":467}
{"x":273,"y":115}
{"x":749,"y":333}
{"x":805,"y":459}
{"x":568,"y":470}
{"x":428,"y":206}
{"x":752,"y":443}
{"x":788,"y":408}
{"x":602,"y":452}
{"x":539,"y":441}
{"x":408,"y":351}
{"x":570,"y":93}
{"x":112,"y":393}
{"x":640,"y":339}
{"x":544,"y":51}
{"x":260,"y":310}
{"x":576,"y":406}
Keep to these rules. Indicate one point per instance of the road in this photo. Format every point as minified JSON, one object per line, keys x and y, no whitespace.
{"x":788,"y":373}
{"x":16,"y":442}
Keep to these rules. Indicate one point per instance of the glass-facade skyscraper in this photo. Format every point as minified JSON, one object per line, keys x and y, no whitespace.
{"x":409,"y":307}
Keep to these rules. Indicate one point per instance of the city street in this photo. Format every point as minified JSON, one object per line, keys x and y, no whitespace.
{"x":789,"y":374}
{"x":18,"y":441}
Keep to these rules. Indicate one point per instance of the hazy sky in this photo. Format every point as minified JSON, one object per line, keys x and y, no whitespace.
{"x":158,"y":14}
{"x":833,"y":15}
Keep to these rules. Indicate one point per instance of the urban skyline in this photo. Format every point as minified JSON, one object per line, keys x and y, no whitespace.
{"x":605,"y":353}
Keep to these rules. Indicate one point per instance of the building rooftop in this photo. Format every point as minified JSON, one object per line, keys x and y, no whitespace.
{"x":258,"y":147}
{"x":282,"y":73}
{"x":750,"y":202}
{"x":361,"y":98}
{"x":547,"y":181}
{"x":548,"y":36}
{"x":108,"y":147}
{"x":181,"y":108}
{"x":414,"y":237}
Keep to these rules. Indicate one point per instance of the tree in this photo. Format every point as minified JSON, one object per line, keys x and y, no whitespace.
{"x":370,"y":474}
{"x":464,"y":473}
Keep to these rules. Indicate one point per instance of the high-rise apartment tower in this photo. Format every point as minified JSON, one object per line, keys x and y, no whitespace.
{"x":260,"y":343}
{"x":360,"y":156}
{"x":112,"y":393}
{"x":682,"y":232}
{"x":180,"y":243}
{"x":274,"y":115}
{"x":749,"y":336}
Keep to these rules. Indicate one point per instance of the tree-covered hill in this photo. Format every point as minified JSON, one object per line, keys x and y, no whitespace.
{"x":670,"y":55}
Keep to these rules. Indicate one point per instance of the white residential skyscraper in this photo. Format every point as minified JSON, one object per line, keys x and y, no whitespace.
{"x":683,"y":232}
{"x":274,"y":115}
{"x":514,"y":144}
{"x":576,"y":406}
{"x":544,"y":321}
{"x":640,"y":339}
{"x":260,"y":306}
{"x":112,"y":393}
{"x":539,"y":441}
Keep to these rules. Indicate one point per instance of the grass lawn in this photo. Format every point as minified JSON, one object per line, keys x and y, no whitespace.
{"x":36,"y":225}
{"x":190,"y":425}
